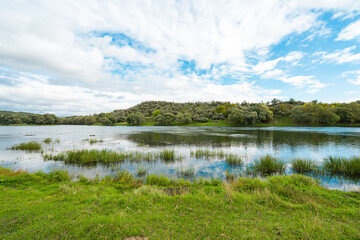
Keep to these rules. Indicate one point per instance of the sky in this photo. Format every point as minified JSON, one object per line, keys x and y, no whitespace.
{"x":82,"y":57}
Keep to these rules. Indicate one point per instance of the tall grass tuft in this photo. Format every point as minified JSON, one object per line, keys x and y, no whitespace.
{"x":304,"y":166}
{"x":342,"y":166}
{"x":105,"y":156}
{"x":169,"y":156}
{"x":29,"y":146}
{"x":268,"y":165}
{"x":47,"y":140}
{"x":185,"y":172}
{"x":233,"y":160}
{"x":207,"y":153}
{"x":142,"y":171}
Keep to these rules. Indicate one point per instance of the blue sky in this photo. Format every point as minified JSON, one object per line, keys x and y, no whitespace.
{"x":82,"y":57}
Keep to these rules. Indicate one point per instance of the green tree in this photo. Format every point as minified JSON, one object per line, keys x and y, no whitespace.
{"x":135,"y":119}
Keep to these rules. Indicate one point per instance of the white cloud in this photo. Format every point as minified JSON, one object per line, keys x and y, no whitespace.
{"x":61,"y":40}
{"x":352,"y":31}
{"x":353,"y":77}
{"x":340,"y":56}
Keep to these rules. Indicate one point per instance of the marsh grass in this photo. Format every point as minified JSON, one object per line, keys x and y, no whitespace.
{"x":268,"y":165}
{"x":207,"y":153}
{"x":300,"y":165}
{"x":189,"y":172}
{"x":29,"y":146}
{"x":47,"y":140}
{"x":348,"y":167}
{"x":86,"y":156}
{"x":93,"y":140}
{"x":233,"y":160}
{"x":230,"y":177}
{"x":169,"y":156}
{"x":142,"y":171}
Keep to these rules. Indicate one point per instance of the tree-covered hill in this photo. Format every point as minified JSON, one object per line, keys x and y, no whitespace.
{"x":172,"y":113}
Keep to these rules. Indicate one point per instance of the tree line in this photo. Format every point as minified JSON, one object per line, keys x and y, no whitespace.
{"x":169,"y":113}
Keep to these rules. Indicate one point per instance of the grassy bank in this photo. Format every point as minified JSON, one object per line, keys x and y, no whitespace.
{"x":50,"y":206}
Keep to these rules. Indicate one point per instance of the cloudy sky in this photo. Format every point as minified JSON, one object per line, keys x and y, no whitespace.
{"x":81,"y":57}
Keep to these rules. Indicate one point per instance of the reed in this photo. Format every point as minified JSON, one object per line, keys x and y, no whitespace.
{"x":207,"y":153}
{"x":185,"y":172}
{"x":349,"y":167}
{"x":169,"y":156}
{"x":29,"y":146}
{"x":233,"y":160}
{"x":142,"y":171}
{"x":304,"y":165}
{"x":268,"y":165}
{"x":47,"y":140}
{"x":106,"y":156}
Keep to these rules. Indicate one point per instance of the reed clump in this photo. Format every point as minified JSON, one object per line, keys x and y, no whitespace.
{"x":142,"y":171}
{"x":207,"y":153}
{"x":233,"y":160}
{"x":342,"y":166}
{"x":169,"y":156}
{"x":300,"y":165}
{"x":268,"y":165}
{"x":186,"y":172}
{"x":106,"y":156}
{"x":47,"y":140}
{"x":29,"y":146}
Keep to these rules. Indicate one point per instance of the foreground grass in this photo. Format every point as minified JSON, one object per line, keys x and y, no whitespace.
{"x":50,"y":206}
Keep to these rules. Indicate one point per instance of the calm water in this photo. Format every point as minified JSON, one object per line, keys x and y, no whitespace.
{"x":251,"y":143}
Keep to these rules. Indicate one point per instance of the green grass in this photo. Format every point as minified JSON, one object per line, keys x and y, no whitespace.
{"x":304,"y":166}
{"x":142,"y":171}
{"x":268,"y":165}
{"x":29,"y":146}
{"x":47,"y":140}
{"x":233,"y":160}
{"x":189,"y":172}
{"x":207,"y":153}
{"x":169,"y":156}
{"x":85,"y":156}
{"x":51,"y":206}
{"x":93,"y":140}
{"x":348,"y":167}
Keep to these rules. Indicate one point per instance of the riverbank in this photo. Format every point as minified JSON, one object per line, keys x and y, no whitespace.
{"x":49,"y":206}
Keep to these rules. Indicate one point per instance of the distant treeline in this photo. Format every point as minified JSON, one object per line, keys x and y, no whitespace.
{"x":169,"y":113}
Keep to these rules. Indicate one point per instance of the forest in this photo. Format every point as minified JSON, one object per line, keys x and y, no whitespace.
{"x":161,"y":113}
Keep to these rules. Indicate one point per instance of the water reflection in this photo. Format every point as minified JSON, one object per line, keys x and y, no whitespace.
{"x":250,"y":143}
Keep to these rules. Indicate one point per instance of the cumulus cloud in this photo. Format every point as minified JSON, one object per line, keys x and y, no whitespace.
{"x":132,"y":50}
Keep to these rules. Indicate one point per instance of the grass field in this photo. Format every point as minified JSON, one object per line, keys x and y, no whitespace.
{"x":51,"y":206}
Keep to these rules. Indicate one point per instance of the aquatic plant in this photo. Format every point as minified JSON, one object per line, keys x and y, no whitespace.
{"x":233,"y":160}
{"x":142,"y":171}
{"x":29,"y":146}
{"x":106,"y":156}
{"x":185,"y":172}
{"x":169,"y":156}
{"x":300,"y":165}
{"x":207,"y":153}
{"x":47,"y":140}
{"x":342,"y":166}
{"x":230,"y":176}
{"x":268,"y":165}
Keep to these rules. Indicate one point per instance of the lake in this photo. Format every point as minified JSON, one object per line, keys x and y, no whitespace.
{"x":251,"y":143}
